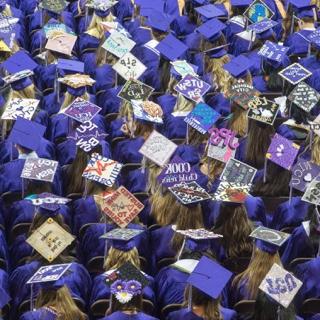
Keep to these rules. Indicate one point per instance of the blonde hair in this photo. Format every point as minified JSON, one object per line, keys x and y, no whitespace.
{"x":95,"y":29}
{"x":26,"y":93}
{"x":61,"y":301}
{"x":153,"y":172}
{"x":215,"y":168}
{"x":116,"y":258}
{"x":183,"y":104}
{"x":69,"y":98}
{"x":315,"y":150}
{"x":258,"y":268}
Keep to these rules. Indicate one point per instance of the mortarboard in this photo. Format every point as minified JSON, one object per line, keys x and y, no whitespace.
{"x":300,"y":3}
{"x":62,"y":43}
{"x":160,"y":21}
{"x":17,"y":76}
{"x":311,"y":194}
{"x":4,"y":47}
{"x":273,"y":52}
{"x":263,"y":110}
{"x":135,"y":90}
{"x":55,"y":6}
{"x":209,"y":277}
{"x":181,"y":68}
{"x":122,"y":238}
{"x":295,"y":73}
{"x":211,"y":28}
{"x":232,"y":192}
{"x":217,"y":52}
{"x":18,"y":62}
{"x":158,"y":148}
{"x":239,"y":66}
{"x":189,"y":192}
{"x":269,"y":240}
{"x":50,"y":239}
{"x":39,"y":169}
{"x":102,"y":170}
{"x":70,"y":65}
{"x":171,"y":48}
{"x":27,"y":134}
{"x":241,"y":3}
{"x":258,"y":11}
{"x":209,"y":11}
{"x":284,"y":293}
{"x":147,"y":7}
{"x":18,"y":107}
{"x":122,"y":206}
{"x":262,"y":26}
{"x":77,"y":80}
{"x":147,"y":110}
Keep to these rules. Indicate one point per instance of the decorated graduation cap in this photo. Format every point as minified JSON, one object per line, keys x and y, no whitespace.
{"x":263,"y":110}
{"x":269,"y":240}
{"x":102,"y":170}
{"x":87,"y":136}
{"x":209,"y":277}
{"x":4,"y":47}
{"x":47,"y":203}
{"x":135,"y":90}
{"x":126,"y":282}
{"x":242,"y":93}
{"x":258,"y":10}
{"x":209,"y":11}
{"x":55,"y":6}
{"x":233,"y":192}
{"x":181,"y":68}
{"x":311,"y":194}
{"x":76,"y":83}
{"x":122,"y":238}
{"x":282,"y":151}
{"x":101,"y":7}
{"x":280,"y":285}
{"x":189,"y":192}
{"x":171,"y":48}
{"x":275,"y":54}
{"x":54,"y":26}
{"x":18,"y":107}
{"x":262,"y":26}
{"x":147,"y":111}
{"x":295,"y":73}
{"x":239,"y":66}
{"x":27,"y":134}
{"x":211,"y":29}
{"x":50,"y":239}
{"x":158,"y":148}
{"x":61,"y":42}
{"x":18,"y":62}
{"x":121,"y":206}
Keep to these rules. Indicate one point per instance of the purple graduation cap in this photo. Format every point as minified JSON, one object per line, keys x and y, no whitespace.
{"x":295,"y":73}
{"x":273,"y":51}
{"x":70,"y":65}
{"x":209,"y":11}
{"x":300,"y":3}
{"x":239,"y":66}
{"x":240,"y":3}
{"x":211,"y":28}
{"x":171,"y":48}
{"x":18,"y":62}
{"x":56,"y":6}
{"x":27,"y":134}
{"x":160,"y":21}
{"x":282,"y":151}
{"x":262,"y":26}
{"x":148,"y":7}
{"x":209,"y":277}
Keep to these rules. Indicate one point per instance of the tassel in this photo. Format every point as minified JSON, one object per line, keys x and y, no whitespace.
{"x":85,"y":192}
{"x":182,"y":247}
{"x":265,"y":170}
{"x":290,"y":195}
{"x":31,"y":297}
{"x":187,"y":135}
{"x":143,"y":165}
{"x":190,"y":298}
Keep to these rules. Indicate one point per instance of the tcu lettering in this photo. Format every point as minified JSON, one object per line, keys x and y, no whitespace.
{"x":174,"y":168}
{"x":86,"y":126}
{"x":228,"y":136}
{"x":281,"y":286}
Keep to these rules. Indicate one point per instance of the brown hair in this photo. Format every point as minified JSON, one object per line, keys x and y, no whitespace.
{"x":134,"y":305}
{"x":116,"y":258}
{"x":258,"y":268}
{"x":212,"y":168}
{"x":211,"y":307}
{"x":239,"y":120}
{"x":315,"y":153}
{"x":60,"y":300}
{"x":234,"y":225}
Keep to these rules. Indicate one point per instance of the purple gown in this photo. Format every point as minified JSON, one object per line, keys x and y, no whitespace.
{"x":122,"y":316}
{"x":42,"y":313}
{"x":185,"y":314}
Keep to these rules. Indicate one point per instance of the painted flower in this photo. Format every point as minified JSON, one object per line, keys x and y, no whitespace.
{"x":118,"y":286}
{"x":123,"y":296}
{"x":133,"y":287}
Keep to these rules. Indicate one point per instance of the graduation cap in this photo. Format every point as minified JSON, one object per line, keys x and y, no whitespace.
{"x":209,"y":11}
{"x":239,"y":66}
{"x":181,"y":68}
{"x":50,"y":239}
{"x":299,"y":4}
{"x":295,"y":73}
{"x":77,"y":80}
{"x":126,"y":282}
{"x":283,"y":294}
{"x":262,"y":26}
{"x":211,"y":29}
{"x":274,"y":53}
{"x":62,"y":43}
{"x":282,"y":151}
{"x":122,"y":207}
{"x":11,"y":78}
{"x":159,"y":21}
{"x":47,"y":201}
{"x":102,"y":170}
{"x":198,"y":234}
{"x":55,"y":6}
{"x":147,"y":111}
{"x":311,"y":194}
{"x":4,"y":47}
{"x":269,"y":240}
{"x":232,"y":192}
{"x":50,"y":273}
{"x":147,"y":7}
{"x":217,"y":52}
{"x":101,"y":7}
{"x":39,"y":169}
{"x":18,"y":62}
{"x":70,"y":65}
{"x":158,"y":148}
{"x":209,"y":277}
{"x":171,"y":48}
{"x":27,"y":134}
{"x":258,"y":11}
{"x":17,"y":107}
{"x":189,"y":192}
{"x":240,"y":3}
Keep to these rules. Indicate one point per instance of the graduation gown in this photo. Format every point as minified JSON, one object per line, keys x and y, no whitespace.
{"x":185,"y":314}
{"x":42,"y":313}
{"x":127,"y":151}
{"x":122,"y":316}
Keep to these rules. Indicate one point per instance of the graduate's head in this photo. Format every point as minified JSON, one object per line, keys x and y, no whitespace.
{"x":233,"y":223}
{"x":211,"y":167}
{"x":134,"y":305}
{"x":239,"y":120}
{"x":37,"y":187}
{"x":118,"y":256}
{"x":256,"y":149}
{"x":314,"y":217}
{"x":61,"y":300}
{"x":267,"y":309}
{"x":96,"y":23}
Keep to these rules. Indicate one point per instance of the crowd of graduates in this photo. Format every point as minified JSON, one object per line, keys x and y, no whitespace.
{"x":159,"y":159}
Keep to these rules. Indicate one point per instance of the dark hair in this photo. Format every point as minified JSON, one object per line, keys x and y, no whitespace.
{"x":277,"y":182}
{"x":37,"y":187}
{"x":314,"y":228}
{"x":267,"y":309}
{"x":135,"y":304}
